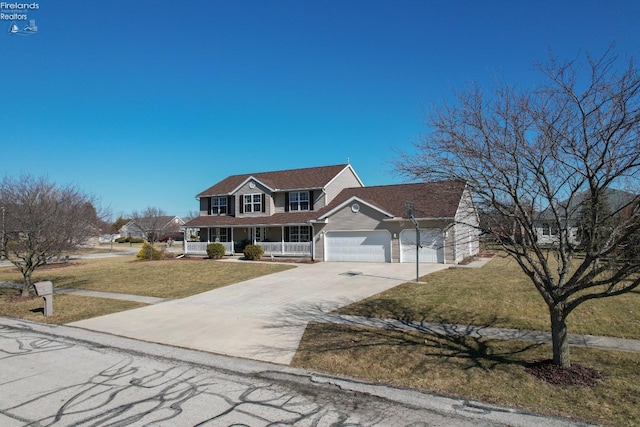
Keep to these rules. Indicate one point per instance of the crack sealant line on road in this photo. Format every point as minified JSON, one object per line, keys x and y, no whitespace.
{"x":225,"y":364}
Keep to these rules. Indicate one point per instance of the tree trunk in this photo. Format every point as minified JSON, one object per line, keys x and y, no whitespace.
{"x":559,"y":336}
{"x":26,"y":286}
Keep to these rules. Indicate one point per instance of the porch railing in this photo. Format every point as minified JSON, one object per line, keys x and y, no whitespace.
{"x":286,"y":248}
{"x":270,"y":248}
{"x":200,"y":248}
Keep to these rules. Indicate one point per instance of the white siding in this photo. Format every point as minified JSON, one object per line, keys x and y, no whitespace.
{"x":466,"y":240}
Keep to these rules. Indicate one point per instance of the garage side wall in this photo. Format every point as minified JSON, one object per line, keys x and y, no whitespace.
{"x":465,"y":231}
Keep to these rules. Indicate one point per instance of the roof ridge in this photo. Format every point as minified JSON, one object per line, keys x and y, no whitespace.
{"x":288,"y":170}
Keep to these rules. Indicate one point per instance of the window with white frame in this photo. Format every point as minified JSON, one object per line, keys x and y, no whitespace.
{"x":299,"y":233}
{"x":549,"y":230}
{"x":218,"y":234}
{"x":299,"y":201}
{"x":252,"y":203}
{"x":218,"y":206}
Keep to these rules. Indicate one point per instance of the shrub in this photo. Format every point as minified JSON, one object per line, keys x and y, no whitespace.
{"x":147,"y":251}
{"x":121,"y":240}
{"x":215,"y":250}
{"x":239,"y":247}
{"x":253,"y":252}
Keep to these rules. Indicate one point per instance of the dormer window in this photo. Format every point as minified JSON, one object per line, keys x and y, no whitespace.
{"x":299,"y":201}
{"x":218,"y":206}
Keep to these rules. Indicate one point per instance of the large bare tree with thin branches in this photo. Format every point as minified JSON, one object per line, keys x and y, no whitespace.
{"x":153,"y":224}
{"x":550,"y":154}
{"x":41,"y":221}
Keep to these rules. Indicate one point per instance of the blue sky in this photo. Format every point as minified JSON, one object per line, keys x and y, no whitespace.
{"x":147,"y":103}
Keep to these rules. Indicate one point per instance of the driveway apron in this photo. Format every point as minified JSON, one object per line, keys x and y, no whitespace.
{"x":262,"y":318}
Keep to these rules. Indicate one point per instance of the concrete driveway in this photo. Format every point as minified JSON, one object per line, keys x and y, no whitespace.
{"x":262,"y":318}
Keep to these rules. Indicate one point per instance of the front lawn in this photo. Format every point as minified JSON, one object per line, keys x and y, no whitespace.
{"x":497,"y":295}
{"x":176,"y":278}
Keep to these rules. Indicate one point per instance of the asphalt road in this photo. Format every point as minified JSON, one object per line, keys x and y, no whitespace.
{"x":59,"y":375}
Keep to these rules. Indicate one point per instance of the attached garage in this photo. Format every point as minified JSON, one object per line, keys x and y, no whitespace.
{"x":431,"y":246}
{"x":358,"y":246}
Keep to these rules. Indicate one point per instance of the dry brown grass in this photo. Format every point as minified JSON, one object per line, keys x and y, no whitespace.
{"x":162,"y":279}
{"x":176,"y":278}
{"x":496,"y":295}
{"x":499,"y":295}
{"x":66,"y":308}
{"x":479,"y":369}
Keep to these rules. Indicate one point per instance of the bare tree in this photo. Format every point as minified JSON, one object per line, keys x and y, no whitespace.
{"x":544,"y":154}
{"x":41,"y":221}
{"x":153,"y":223}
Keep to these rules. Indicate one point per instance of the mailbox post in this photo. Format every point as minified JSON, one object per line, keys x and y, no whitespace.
{"x":45,"y":290}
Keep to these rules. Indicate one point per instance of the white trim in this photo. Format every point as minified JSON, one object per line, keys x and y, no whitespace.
{"x":434,"y":218}
{"x":355,"y":199}
{"x":232,"y":192}
{"x":252,"y":203}
{"x":336,"y":176}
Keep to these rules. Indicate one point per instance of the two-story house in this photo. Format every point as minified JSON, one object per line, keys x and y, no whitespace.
{"x":326,"y":213}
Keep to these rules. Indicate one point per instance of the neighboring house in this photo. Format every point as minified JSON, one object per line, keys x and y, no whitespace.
{"x":327,"y":214}
{"x":153,"y":228}
{"x":548,"y":225}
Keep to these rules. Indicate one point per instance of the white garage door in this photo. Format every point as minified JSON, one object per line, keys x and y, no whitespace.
{"x":431,"y":246}
{"x":365,"y":246}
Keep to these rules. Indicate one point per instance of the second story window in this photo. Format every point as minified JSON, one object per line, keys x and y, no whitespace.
{"x":299,"y":201}
{"x":218,"y":206}
{"x":252,"y":203}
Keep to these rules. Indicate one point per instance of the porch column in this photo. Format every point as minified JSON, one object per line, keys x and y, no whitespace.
{"x":313,"y":242}
{"x":233,"y":249}
{"x":282,"y":239}
{"x":184,"y":241}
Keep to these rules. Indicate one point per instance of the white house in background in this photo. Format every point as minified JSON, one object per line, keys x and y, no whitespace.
{"x":327,"y":214}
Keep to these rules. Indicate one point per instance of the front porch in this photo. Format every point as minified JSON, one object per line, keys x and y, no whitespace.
{"x":275,"y":241}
